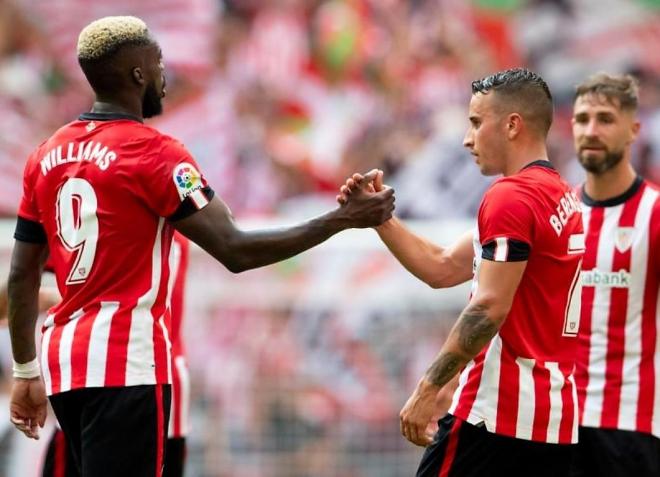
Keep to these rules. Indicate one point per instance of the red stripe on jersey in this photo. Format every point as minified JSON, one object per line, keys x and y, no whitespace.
{"x":506,"y":408}
{"x":469,"y":391}
{"x":115,"y":366}
{"x":542,"y":402}
{"x":54,"y":359}
{"x":588,"y":293}
{"x":160,"y":430}
{"x":647,"y":371}
{"x":616,"y":325}
{"x":81,"y":339}
{"x":452,"y":445}
{"x":568,"y":406}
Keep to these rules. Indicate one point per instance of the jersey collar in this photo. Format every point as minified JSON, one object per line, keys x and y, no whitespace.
{"x":90,"y":116}
{"x":619,"y":199}
{"x":541,"y":163}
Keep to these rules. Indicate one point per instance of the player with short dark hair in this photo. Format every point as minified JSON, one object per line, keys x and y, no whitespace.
{"x":617,"y":372}
{"x":102,"y":198}
{"x":514,"y":412}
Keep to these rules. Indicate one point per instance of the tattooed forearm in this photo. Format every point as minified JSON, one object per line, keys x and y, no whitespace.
{"x":475,"y":329}
{"x":470,"y":334}
{"x":444,"y":368}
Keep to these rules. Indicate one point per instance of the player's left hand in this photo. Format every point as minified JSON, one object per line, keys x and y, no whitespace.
{"x":28,"y":406}
{"x":417,"y":413}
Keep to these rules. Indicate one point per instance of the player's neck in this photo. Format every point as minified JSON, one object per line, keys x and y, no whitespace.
{"x":610,"y":184}
{"x":105,"y":105}
{"x":524,"y":156}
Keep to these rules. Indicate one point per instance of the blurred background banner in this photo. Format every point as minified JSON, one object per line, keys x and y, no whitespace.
{"x":300,"y":369}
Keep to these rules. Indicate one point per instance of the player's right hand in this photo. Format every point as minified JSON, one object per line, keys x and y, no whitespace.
{"x":27,"y":408}
{"x":372,"y":181}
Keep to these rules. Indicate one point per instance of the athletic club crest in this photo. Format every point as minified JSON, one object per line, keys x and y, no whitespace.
{"x":623,"y":238}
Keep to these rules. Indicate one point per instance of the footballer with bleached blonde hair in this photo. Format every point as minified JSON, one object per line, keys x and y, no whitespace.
{"x":101,"y":200}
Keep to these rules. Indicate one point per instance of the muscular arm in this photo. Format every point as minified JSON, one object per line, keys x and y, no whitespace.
{"x":27,"y":263}
{"x":437,"y":266}
{"x":213,"y":228}
{"x":479,"y":321}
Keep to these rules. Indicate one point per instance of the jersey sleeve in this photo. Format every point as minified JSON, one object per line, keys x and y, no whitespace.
{"x":28,"y":225}
{"x":27,"y":208}
{"x":175,"y":187}
{"x":506,"y":224}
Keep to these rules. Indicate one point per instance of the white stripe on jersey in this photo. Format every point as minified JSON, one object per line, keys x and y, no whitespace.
{"x":66,"y":342}
{"x":526,"y":407}
{"x":182,"y":407}
{"x":140,"y":360}
{"x":45,"y":369}
{"x":98,"y":344}
{"x":485,"y":403}
{"x":576,"y":415}
{"x":556,"y":402}
{"x":598,"y":342}
{"x":627,"y":418}
{"x":501,"y":249}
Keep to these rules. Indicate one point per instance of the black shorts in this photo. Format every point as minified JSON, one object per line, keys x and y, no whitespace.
{"x":615,"y":453}
{"x":175,"y":457}
{"x":59,"y":461}
{"x":115,"y":431}
{"x":460,"y":449}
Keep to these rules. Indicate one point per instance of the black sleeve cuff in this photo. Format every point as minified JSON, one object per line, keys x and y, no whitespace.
{"x":29,"y":231}
{"x":503,"y":249}
{"x":188,"y":207}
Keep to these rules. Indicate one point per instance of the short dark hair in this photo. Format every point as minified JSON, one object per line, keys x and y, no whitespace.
{"x":621,"y":88}
{"x":522,"y":91}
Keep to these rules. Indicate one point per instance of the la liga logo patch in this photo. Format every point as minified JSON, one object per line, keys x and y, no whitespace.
{"x":187,"y":179}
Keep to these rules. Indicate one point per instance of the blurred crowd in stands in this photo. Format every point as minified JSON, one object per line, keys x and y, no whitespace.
{"x":280,"y":99}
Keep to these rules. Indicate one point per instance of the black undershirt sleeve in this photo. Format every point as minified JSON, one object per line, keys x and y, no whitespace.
{"x":188,"y":207}
{"x":29,"y":231}
{"x":516,"y":251}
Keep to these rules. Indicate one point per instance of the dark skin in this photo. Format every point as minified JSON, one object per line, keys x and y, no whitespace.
{"x":138,"y":84}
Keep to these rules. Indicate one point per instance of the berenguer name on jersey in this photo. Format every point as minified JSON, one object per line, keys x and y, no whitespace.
{"x":90,"y":151}
{"x":568,"y":205}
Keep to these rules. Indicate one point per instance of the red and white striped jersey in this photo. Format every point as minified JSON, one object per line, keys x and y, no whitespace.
{"x":101,"y":188}
{"x":521,"y":385}
{"x":178,"y":426}
{"x":618,"y":365}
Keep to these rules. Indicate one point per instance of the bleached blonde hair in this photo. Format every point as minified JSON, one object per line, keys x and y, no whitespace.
{"x":105,"y":35}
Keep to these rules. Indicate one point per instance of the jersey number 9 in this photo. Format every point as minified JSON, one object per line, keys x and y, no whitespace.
{"x":78,"y":226}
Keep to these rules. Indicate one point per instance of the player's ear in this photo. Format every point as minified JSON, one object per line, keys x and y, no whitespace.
{"x":137,"y":75}
{"x":513,"y":125}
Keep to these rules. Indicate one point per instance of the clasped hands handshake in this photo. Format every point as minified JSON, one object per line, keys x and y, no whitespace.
{"x":366,"y":201}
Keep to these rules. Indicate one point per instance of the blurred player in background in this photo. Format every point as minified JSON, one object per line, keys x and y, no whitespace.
{"x":101,"y":198}
{"x":618,"y":372}
{"x":175,"y":455}
{"x":514,"y":412}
